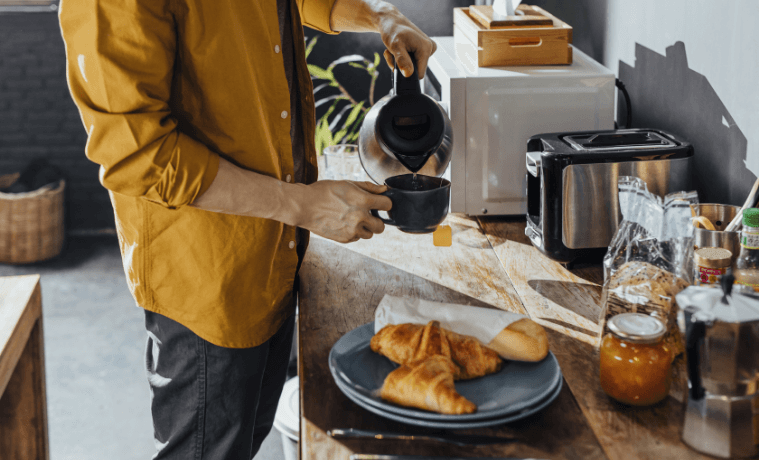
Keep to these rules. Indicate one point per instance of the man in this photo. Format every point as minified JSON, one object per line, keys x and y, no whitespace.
{"x":201,"y":115}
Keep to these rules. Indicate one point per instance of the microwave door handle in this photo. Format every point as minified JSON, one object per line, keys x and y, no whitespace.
{"x":533,"y":163}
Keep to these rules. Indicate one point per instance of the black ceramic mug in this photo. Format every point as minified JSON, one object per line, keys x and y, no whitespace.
{"x":419,"y":205}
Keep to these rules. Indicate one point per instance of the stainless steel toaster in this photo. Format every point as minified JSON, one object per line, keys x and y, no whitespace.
{"x":572,"y":197}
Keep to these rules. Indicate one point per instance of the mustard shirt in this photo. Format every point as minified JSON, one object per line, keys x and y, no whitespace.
{"x":164,"y":88}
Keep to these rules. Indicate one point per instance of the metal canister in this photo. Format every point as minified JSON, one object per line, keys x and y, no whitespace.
{"x":711,"y":264}
{"x":720,"y":216}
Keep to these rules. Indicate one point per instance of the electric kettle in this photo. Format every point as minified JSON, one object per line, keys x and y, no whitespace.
{"x":405,"y":132}
{"x":722,"y":353}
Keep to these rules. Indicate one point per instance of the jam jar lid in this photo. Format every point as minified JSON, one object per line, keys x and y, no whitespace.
{"x":637,"y":328}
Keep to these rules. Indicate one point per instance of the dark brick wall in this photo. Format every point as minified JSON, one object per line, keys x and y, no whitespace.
{"x":39,"y":119}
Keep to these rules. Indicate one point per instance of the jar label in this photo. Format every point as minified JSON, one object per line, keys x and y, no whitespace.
{"x":750,"y":239}
{"x":710,"y":275}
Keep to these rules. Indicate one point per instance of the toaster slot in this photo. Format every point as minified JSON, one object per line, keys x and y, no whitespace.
{"x":533,"y":199}
{"x":533,"y":163}
{"x":619,"y":140}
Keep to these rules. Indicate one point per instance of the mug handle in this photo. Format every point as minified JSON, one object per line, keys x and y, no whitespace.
{"x":375,"y":212}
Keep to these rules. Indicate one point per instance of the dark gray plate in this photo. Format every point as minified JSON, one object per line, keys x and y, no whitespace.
{"x":517,"y":386}
{"x":453,"y":425}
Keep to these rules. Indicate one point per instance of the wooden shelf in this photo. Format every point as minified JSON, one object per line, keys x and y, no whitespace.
{"x":23,"y":403}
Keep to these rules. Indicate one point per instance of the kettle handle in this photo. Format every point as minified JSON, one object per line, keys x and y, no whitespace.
{"x":406,"y":85}
{"x":695,"y":332}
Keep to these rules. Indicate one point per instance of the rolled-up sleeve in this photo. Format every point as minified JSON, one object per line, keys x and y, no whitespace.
{"x":316,"y":13}
{"x":120,"y":60}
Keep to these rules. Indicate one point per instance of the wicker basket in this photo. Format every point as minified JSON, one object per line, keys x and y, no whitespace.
{"x":31,"y":224}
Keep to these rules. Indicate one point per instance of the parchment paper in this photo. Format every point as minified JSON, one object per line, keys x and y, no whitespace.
{"x":481,"y":323}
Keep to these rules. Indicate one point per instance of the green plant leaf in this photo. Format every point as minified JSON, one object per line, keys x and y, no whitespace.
{"x":352,"y":138}
{"x":329,"y":111}
{"x":337,"y":118}
{"x":353,"y":115}
{"x":318,"y":72}
{"x":339,"y":136}
{"x":311,"y":45}
{"x":323,"y":137}
{"x":354,"y":130}
{"x":356,"y":65}
{"x":376,"y":60}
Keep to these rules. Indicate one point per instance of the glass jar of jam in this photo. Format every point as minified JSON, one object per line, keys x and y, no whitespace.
{"x":635,"y":362}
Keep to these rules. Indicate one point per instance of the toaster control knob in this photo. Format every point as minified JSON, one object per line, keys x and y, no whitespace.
{"x":484,"y":211}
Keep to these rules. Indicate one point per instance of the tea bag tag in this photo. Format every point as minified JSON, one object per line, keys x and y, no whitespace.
{"x":442,"y":236}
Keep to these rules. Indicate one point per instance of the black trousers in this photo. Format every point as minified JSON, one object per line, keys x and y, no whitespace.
{"x":210,"y":402}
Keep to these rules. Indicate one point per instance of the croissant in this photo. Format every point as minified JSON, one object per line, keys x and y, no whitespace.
{"x":399,"y":343}
{"x":427,"y":386}
{"x":474,"y":359}
{"x":409,"y":344}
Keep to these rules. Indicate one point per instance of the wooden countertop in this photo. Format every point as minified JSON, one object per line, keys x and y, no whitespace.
{"x":491,"y":263}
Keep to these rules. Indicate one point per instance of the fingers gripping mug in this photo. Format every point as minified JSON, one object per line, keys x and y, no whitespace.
{"x":420,"y":203}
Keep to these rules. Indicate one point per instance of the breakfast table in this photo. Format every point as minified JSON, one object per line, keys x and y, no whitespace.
{"x":489,"y":264}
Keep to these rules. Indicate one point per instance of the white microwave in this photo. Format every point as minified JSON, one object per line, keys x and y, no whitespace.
{"x":495,"y":110}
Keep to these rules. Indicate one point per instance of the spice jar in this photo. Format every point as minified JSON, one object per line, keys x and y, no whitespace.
{"x":711,"y":264}
{"x":635,"y":362}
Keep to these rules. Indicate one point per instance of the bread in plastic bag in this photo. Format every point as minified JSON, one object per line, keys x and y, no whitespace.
{"x":650,"y":258}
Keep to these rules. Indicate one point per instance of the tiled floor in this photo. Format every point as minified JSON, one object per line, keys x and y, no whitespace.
{"x":98,"y":397}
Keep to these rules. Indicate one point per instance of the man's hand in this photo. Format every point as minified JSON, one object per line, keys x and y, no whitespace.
{"x":401,"y":37}
{"x":340,"y":210}
{"x":398,"y":34}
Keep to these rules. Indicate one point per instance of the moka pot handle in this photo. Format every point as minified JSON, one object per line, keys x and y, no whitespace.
{"x":695,"y":333}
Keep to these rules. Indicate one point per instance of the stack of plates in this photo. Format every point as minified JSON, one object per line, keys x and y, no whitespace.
{"x":516,"y":391}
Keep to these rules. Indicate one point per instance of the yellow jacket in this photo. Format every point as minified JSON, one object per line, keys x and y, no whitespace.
{"x":164,"y":88}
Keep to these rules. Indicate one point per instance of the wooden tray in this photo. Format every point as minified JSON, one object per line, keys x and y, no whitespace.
{"x":513,"y":46}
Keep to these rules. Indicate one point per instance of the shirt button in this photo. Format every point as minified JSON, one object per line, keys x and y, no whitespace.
{"x":284,"y":114}
{"x":276,"y":48}
{"x":292,"y":244}
{"x":287,"y":179}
